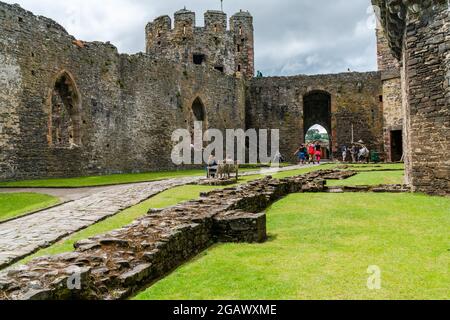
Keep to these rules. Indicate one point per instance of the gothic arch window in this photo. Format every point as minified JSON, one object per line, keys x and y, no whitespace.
{"x":198,"y":114}
{"x":198,"y":110}
{"x":64,"y":117}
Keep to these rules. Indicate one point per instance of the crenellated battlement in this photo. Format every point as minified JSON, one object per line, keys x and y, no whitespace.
{"x":214,"y":21}
{"x":226,"y":46}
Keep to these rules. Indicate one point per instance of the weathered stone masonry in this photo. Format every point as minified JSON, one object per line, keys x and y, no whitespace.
{"x":229,"y":51}
{"x":418,"y":34}
{"x":351,"y":100}
{"x":128,"y":104}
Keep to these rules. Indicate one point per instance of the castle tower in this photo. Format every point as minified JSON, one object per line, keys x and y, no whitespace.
{"x":184,"y":24}
{"x":215,"y":22}
{"x":157,"y":34}
{"x":213,"y":46}
{"x":241,"y":25}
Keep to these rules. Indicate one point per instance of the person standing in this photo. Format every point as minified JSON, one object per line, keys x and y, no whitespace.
{"x":318,"y":150}
{"x":344,"y":153}
{"x":311,"y":153}
{"x":301,"y":154}
{"x":364,"y":154}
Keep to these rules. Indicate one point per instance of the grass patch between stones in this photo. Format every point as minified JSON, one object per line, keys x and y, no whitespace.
{"x":13,"y":205}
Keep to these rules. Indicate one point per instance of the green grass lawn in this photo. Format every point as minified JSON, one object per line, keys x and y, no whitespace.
{"x":93,"y":181}
{"x":375,"y":167}
{"x":321,"y":246}
{"x":17,"y":204}
{"x":371,"y":178}
{"x":102,"y":180}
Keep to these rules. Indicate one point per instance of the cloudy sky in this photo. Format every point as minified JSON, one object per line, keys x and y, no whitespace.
{"x":291,"y":36}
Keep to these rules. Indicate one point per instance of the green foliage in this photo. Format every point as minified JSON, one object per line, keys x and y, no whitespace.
{"x":315,"y":135}
{"x":103,"y":180}
{"x":371,"y":178}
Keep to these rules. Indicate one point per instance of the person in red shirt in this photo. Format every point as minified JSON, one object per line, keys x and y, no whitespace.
{"x":318,"y":149}
{"x":312,"y":153}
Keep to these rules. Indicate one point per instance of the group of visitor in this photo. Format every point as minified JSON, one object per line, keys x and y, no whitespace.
{"x":311,"y":153}
{"x":358,"y":152}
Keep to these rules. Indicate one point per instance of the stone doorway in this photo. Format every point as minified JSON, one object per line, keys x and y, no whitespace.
{"x":317,"y":114}
{"x":396,"y":145}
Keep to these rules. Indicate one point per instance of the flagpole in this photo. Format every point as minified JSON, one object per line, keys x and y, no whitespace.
{"x":221,"y":5}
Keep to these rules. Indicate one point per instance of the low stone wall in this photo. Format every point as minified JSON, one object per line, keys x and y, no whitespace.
{"x":120,"y":263}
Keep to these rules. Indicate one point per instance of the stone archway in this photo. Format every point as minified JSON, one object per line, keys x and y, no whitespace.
{"x":64,"y":102}
{"x":317,"y":111}
{"x":198,"y":113}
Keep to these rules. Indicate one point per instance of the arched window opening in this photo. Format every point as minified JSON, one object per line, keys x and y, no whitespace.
{"x":198,"y":110}
{"x":64,"y":122}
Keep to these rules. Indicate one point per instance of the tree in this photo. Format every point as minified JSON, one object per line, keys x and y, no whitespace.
{"x":313,"y":135}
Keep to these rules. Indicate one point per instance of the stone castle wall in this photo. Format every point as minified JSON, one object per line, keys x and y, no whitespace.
{"x":278,"y":103}
{"x":230,"y":51}
{"x":392,"y":110}
{"x":389,"y":67}
{"x":418,"y":34}
{"x":129,"y":104}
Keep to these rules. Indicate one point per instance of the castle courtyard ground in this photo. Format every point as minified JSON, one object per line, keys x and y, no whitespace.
{"x":23,"y":236}
{"x":320,"y":245}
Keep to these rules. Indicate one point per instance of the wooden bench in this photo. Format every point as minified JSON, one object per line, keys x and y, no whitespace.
{"x":225,"y":171}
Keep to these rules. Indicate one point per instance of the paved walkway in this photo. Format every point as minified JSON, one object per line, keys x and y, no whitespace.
{"x":21,"y":237}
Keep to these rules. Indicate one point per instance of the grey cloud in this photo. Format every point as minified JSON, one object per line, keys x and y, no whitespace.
{"x":291,"y":36}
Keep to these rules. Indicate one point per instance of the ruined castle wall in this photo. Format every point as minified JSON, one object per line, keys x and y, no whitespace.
{"x":426,"y":85}
{"x":129,"y":104}
{"x":277,"y":103}
{"x":392,"y":110}
{"x":385,"y":58}
{"x":10,"y":90}
{"x":389,"y":67}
